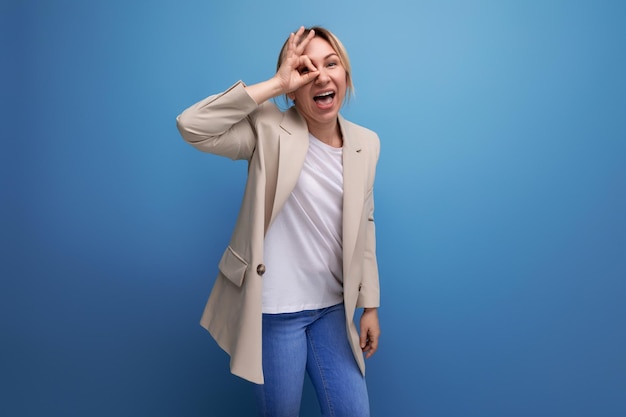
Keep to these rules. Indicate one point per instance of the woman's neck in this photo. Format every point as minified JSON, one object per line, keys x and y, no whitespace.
{"x":329,"y":133}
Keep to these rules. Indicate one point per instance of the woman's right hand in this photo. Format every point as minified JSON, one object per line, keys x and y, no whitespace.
{"x":296,"y":69}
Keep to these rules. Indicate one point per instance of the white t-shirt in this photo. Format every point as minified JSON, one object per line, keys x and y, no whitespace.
{"x":303,"y":247}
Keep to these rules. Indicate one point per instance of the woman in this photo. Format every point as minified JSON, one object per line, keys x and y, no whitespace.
{"x":302,"y":256}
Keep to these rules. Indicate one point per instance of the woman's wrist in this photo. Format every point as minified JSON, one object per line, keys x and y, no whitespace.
{"x":265,"y":90}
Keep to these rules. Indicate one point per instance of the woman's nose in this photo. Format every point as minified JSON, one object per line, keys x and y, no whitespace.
{"x":322,"y":78}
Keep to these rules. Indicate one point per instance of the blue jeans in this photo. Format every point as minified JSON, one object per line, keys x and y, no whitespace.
{"x":316,"y":342}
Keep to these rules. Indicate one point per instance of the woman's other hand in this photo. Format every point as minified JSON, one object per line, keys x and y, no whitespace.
{"x":370,"y":331}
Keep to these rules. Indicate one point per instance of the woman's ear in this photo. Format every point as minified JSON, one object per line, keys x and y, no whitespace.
{"x":292,"y":96}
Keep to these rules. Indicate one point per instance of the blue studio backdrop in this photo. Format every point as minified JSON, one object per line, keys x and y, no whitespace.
{"x":500,"y":202}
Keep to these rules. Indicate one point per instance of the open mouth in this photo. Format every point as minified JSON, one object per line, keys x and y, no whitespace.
{"x":324,"y":98}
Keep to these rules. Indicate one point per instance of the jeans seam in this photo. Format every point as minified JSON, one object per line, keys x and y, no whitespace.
{"x":322,"y":376}
{"x":261,"y":404}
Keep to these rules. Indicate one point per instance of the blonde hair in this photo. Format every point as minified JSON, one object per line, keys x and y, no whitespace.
{"x":337,"y":46}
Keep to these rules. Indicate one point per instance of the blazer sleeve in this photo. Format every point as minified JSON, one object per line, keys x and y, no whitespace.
{"x":221,"y":124}
{"x":369,"y":293}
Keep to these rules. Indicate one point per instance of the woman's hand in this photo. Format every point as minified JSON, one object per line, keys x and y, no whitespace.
{"x":370,"y":331}
{"x":296,"y":69}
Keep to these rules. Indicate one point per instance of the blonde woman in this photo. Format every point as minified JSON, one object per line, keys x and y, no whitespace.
{"x":302,"y":257}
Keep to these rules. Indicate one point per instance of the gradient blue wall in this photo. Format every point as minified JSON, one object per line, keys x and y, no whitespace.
{"x":501,"y":202}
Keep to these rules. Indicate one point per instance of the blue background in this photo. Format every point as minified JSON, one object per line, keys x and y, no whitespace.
{"x":501,"y":202}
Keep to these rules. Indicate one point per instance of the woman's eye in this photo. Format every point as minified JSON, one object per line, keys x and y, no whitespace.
{"x":332,"y":64}
{"x":303,"y":70}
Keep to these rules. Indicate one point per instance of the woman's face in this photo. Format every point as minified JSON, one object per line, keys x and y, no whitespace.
{"x":319,"y":101}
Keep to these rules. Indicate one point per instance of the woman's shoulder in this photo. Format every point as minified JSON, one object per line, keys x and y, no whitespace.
{"x":269,"y":116}
{"x":268,"y":112}
{"x":363,"y":133}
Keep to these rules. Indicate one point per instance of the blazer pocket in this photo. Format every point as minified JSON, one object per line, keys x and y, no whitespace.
{"x":233,"y":266}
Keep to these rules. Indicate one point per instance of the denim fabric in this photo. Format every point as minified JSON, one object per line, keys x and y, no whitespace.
{"x":315,"y":342}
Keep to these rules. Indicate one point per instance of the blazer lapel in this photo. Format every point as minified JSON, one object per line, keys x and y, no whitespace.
{"x":292,"y":149}
{"x":354,"y":170}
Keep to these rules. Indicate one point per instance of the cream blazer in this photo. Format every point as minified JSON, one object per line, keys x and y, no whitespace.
{"x":275,"y":144}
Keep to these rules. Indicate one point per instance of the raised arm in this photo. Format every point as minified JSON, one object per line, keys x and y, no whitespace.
{"x":220,"y":124}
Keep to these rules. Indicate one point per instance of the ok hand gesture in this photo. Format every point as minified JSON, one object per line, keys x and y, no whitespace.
{"x":296,"y":69}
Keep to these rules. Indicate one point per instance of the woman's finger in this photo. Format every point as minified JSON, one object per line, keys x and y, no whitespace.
{"x":294,"y":38}
{"x":302,"y":45}
{"x":373,"y":345}
{"x":305,"y":62}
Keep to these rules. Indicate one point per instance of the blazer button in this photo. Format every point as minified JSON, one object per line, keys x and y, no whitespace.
{"x":260,"y":269}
